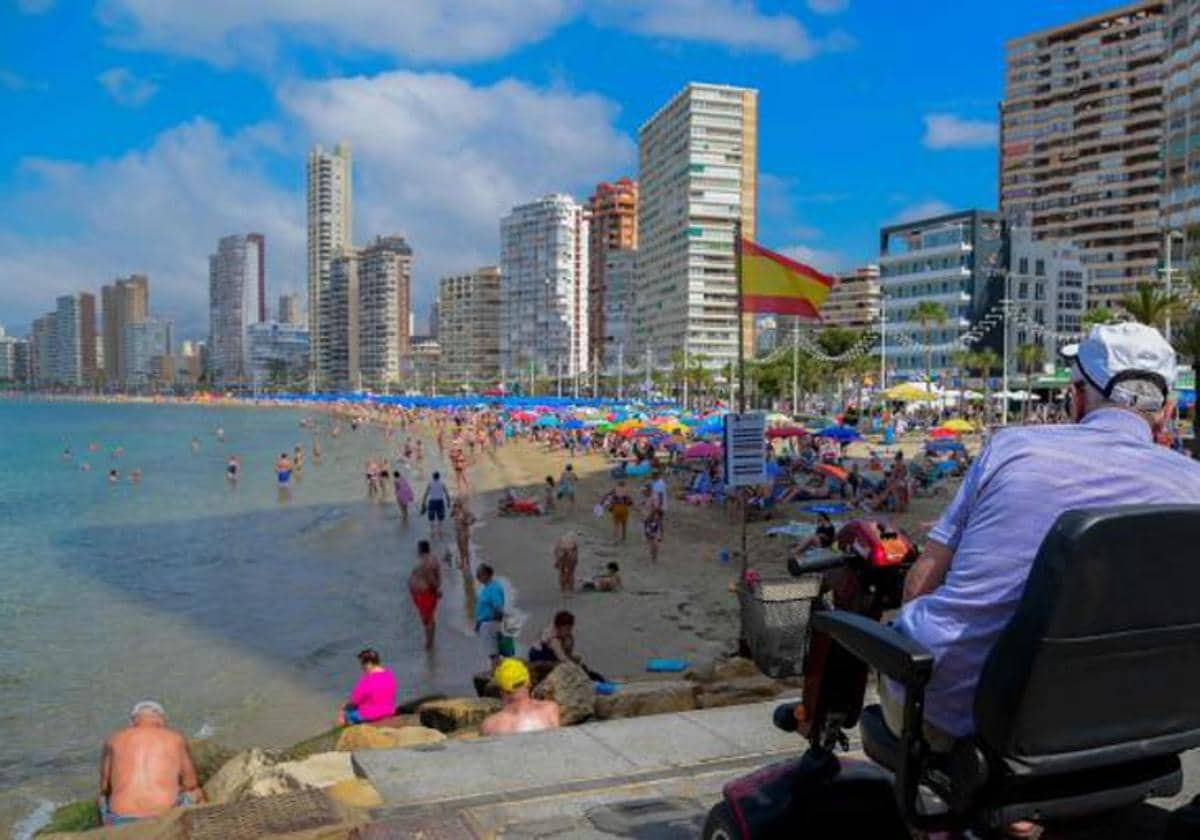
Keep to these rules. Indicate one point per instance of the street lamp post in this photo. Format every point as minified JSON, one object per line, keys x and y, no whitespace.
{"x":1169,"y":237}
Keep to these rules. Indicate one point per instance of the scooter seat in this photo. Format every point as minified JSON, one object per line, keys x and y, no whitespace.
{"x":879,"y":743}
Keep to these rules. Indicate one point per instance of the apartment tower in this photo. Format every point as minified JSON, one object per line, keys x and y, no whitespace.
{"x":330,"y":228}
{"x":75,"y":339}
{"x":698,"y":175}
{"x":289,"y":310}
{"x":469,"y":327}
{"x":612,"y":243}
{"x":543,"y":268}
{"x":124,"y":301}
{"x":1081,"y":155}
{"x":236,"y":291}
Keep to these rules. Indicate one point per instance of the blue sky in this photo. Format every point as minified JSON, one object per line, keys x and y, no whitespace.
{"x":136,"y":132}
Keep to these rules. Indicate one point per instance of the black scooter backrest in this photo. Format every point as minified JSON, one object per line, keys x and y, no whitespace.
{"x":1100,"y":664}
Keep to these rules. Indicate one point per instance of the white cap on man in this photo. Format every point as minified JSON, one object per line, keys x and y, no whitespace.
{"x":147,"y":707}
{"x":1131,"y":364}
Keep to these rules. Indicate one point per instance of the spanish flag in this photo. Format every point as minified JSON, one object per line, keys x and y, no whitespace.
{"x":773,"y":283}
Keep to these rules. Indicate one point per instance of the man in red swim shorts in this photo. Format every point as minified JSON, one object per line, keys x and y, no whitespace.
{"x":425,"y":587}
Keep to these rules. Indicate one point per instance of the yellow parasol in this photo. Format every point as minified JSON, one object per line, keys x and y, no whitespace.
{"x":959,"y":425}
{"x":907,"y":392}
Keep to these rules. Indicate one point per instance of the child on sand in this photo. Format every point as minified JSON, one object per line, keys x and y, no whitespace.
{"x":608,"y":581}
{"x":619,"y":504}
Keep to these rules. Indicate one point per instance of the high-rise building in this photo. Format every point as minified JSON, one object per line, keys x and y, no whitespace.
{"x":125,"y":301}
{"x":612,"y":218}
{"x":75,"y":339}
{"x":23,"y":361}
{"x":43,"y":350}
{"x":426,"y":364}
{"x":617,"y":301}
{"x":435,"y":318}
{"x":278,"y":354}
{"x":957,"y":260}
{"x":1081,"y":156}
{"x":146,"y":342}
{"x":543,"y":280}
{"x":385,"y":309}
{"x":367,"y":315}
{"x":13,"y":352}
{"x":289,"y":310}
{"x":854,"y":301}
{"x":235,"y":288}
{"x":1047,"y":287}
{"x":469,"y":325}
{"x":1181,"y":187}
{"x":698,"y":175}
{"x":330,"y":228}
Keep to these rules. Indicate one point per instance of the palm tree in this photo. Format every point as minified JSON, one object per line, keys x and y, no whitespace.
{"x":1187,"y":342}
{"x":1029,"y":359}
{"x":929,"y":314}
{"x":1150,"y":305}
{"x":1097,"y":316}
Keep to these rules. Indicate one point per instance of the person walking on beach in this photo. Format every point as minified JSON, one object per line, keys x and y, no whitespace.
{"x":520,"y":713}
{"x":652,"y":525}
{"x":619,"y":504}
{"x":489,"y":612}
{"x":566,"y":560}
{"x":658,"y":494}
{"x":434,"y":503}
{"x":403,"y":491}
{"x":425,"y":588}
{"x":463,"y":518}
{"x":566,"y":485}
{"x":374,"y":695}
{"x":146,"y":769}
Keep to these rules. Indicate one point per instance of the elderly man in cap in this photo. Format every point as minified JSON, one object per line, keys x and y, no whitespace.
{"x":966,"y":586}
{"x":146,"y":769}
{"x":521,"y":713}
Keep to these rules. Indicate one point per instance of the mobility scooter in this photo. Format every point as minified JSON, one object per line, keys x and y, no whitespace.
{"x":1084,"y":705}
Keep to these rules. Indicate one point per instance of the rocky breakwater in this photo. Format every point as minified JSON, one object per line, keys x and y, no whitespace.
{"x":322,"y":764}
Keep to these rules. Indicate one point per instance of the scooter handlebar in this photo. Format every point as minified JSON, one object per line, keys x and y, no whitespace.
{"x":817,"y":565}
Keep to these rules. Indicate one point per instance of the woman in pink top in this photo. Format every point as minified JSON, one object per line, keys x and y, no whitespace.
{"x":374,"y":695}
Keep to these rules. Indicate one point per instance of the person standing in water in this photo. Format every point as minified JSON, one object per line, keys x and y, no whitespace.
{"x":463,"y":520}
{"x":283,"y":469}
{"x":298,"y":458}
{"x":404,"y":493}
{"x":195,"y":445}
{"x":434,"y":502}
{"x":425,"y":589}
{"x":232,"y":468}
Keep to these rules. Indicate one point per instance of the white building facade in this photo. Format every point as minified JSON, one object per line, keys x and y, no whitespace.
{"x":146,"y":343}
{"x":1047,"y":285}
{"x":330,"y":227}
{"x":544,"y":294}
{"x":278,"y":352}
{"x":385,"y":311}
{"x":698,"y":175}
{"x":235,"y":301}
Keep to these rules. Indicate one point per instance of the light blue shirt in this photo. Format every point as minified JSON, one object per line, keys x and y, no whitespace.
{"x":489,"y":603}
{"x":1008,"y":502}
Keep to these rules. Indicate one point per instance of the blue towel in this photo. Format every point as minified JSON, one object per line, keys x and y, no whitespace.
{"x":666,"y":666}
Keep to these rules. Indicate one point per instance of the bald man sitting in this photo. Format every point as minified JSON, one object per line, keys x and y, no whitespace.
{"x":146,"y":769}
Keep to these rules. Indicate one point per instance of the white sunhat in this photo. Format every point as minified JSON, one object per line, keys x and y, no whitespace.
{"x":1119,"y":360}
{"x":147,"y":706}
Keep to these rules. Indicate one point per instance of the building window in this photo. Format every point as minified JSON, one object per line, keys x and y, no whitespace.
{"x":1023,"y":265}
{"x":1039,"y":268}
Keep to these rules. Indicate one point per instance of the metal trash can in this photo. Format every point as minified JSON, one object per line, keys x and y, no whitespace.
{"x":774,"y":616}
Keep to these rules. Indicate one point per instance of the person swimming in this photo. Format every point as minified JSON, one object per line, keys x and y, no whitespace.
{"x":113,"y":476}
{"x":283,"y":469}
{"x":233,"y":467}
{"x":195,"y":445}
{"x":135,"y":476}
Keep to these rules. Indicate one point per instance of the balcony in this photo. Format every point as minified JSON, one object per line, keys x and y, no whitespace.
{"x":921,"y":253}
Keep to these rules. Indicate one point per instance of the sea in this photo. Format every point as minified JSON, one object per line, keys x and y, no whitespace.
{"x":237,"y":606}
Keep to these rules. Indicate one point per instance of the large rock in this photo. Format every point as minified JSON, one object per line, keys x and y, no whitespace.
{"x":368,"y":737}
{"x":459,"y":713}
{"x":318,"y":771}
{"x":411,"y":707}
{"x":720,"y":669}
{"x":355,"y":793}
{"x":322,"y":743}
{"x":647,"y":698}
{"x":569,"y":686}
{"x":209,"y":757}
{"x":247,"y":775}
{"x":397,"y":721}
{"x":739,"y":691}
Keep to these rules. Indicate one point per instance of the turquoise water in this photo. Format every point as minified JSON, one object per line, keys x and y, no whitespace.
{"x":239,"y":609}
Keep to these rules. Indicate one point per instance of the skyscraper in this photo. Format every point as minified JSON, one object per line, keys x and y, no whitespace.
{"x":124,"y":301}
{"x":1081,"y":142}
{"x":367,"y":315}
{"x":330,"y":228}
{"x":613,"y":240}
{"x":75,"y":339}
{"x":235,"y":289}
{"x":469,"y":327}
{"x":543,"y":268}
{"x":43,"y":350}
{"x":698,"y":175}
{"x":289,"y":310}
{"x":1181,"y":210}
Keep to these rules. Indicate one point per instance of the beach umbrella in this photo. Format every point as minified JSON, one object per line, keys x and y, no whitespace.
{"x":842,"y":434}
{"x":573,"y":423}
{"x":907,"y":392}
{"x":943,"y":432}
{"x":958,"y":425}
{"x":703,"y":450}
{"x":832,"y":470}
{"x":548,"y":420}
{"x":523,"y":416}
{"x":786,"y":432}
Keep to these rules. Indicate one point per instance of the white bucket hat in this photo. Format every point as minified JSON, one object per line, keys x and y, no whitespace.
{"x":1118,"y":360}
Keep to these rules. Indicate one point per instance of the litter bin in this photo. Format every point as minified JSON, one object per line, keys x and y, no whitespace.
{"x":774,"y":617}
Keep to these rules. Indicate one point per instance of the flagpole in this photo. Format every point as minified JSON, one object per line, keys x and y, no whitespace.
{"x":741,"y":357}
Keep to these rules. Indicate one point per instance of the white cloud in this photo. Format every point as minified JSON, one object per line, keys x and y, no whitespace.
{"x":949,"y":131}
{"x":35,"y":7}
{"x":436,"y":158}
{"x":126,"y":88}
{"x":921,"y":210}
{"x":158,"y":210}
{"x":824,"y":260}
{"x":232,"y":31}
{"x":828,"y":7}
{"x":18,"y":83}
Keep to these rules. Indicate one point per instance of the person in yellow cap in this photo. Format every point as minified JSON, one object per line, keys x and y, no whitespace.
{"x":520,"y":713}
